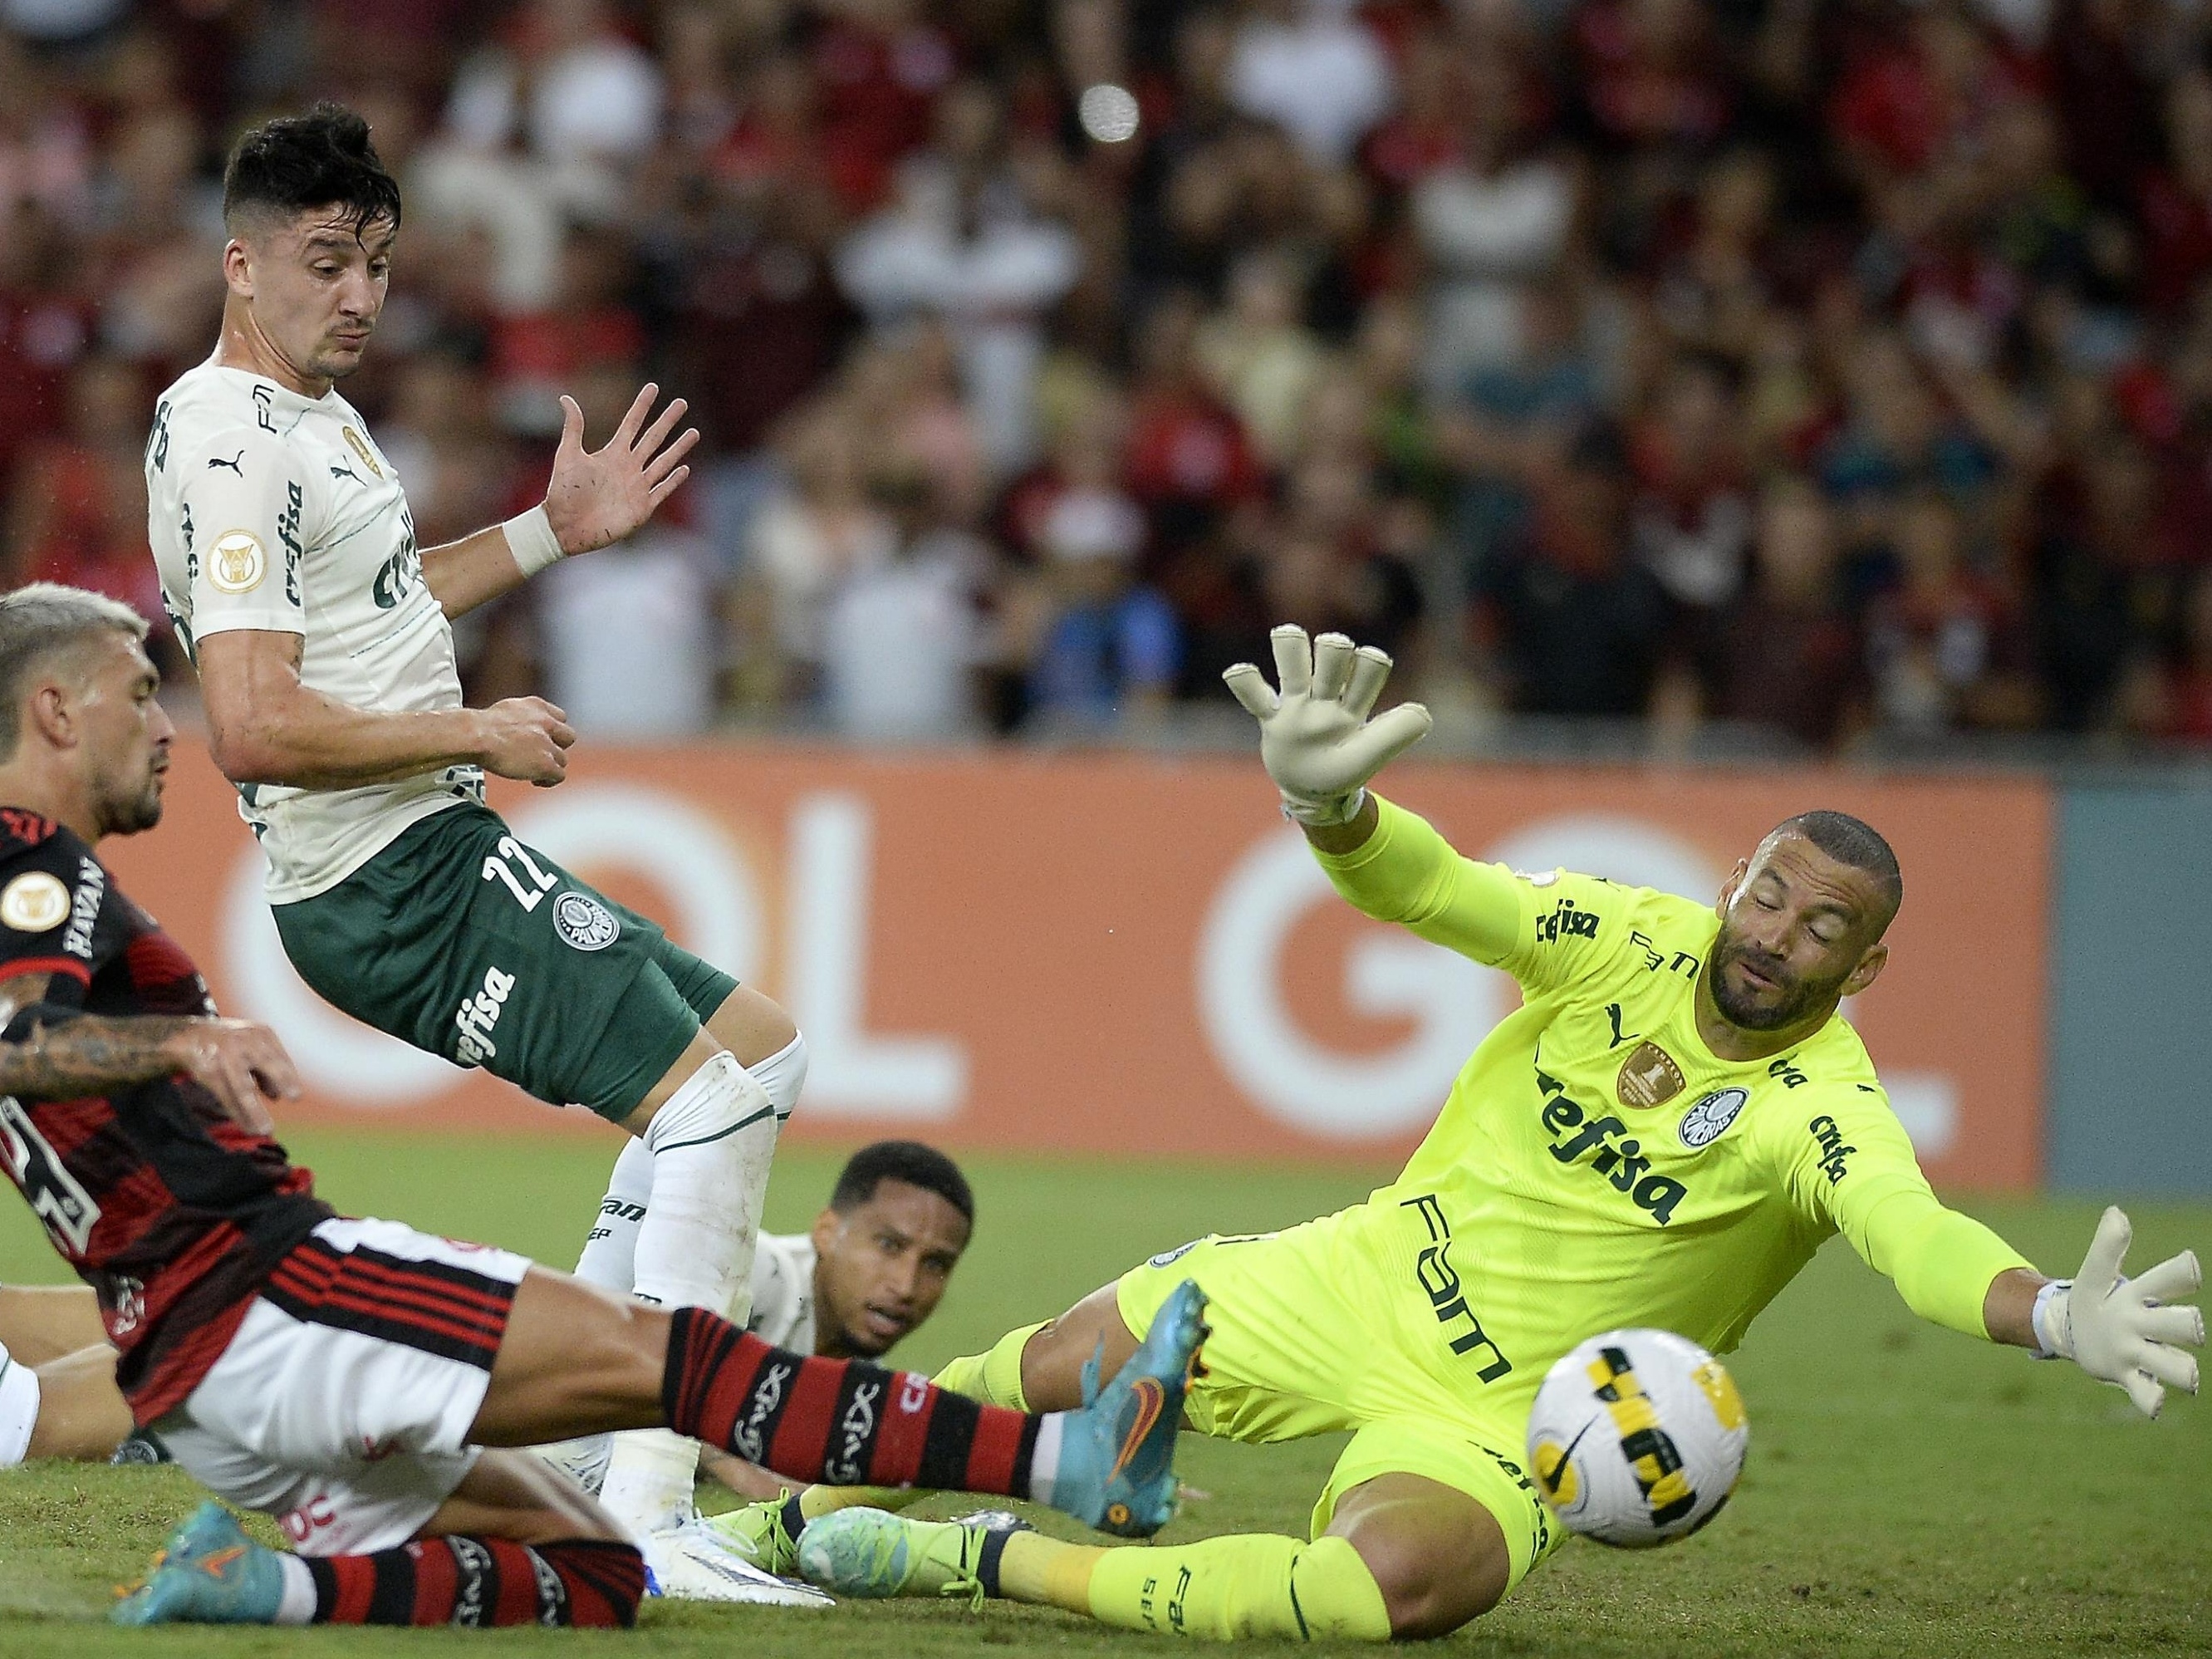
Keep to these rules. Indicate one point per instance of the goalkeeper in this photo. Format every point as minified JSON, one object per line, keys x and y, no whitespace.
{"x":1661,"y":1135}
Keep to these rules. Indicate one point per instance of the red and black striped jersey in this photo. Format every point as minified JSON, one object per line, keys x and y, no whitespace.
{"x":173,"y":1214}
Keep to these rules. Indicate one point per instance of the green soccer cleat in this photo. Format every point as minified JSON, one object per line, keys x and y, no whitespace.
{"x":759,"y":1532}
{"x":872,"y":1553}
{"x":209,"y":1572}
{"x":1117,"y":1455}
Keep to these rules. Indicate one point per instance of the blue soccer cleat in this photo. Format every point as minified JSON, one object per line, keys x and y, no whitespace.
{"x":1117,"y":1455}
{"x":209,"y":1572}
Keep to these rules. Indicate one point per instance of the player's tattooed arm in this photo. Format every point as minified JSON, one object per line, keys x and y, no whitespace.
{"x":265,"y":726}
{"x":58,"y":1053}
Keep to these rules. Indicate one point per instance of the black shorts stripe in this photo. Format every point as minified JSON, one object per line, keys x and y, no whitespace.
{"x":430,"y":1306}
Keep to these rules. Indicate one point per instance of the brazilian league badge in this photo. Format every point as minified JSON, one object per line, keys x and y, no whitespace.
{"x":1703,"y":1123}
{"x":585,"y":922}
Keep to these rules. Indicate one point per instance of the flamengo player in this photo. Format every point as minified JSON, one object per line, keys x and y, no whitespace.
{"x":1661,"y":1134}
{"x":325,"y":647}
{"x":346,"y":1375}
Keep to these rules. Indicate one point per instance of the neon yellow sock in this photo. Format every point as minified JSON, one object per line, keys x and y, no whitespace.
{"x":1243,"y":1584}
{"x":993,"y":1377}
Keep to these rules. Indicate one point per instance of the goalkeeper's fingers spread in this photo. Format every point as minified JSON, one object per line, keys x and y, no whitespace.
{"x":2171,"y":1280}
{"x":1370,"y":666}
{"x":2181,"y":1327}
{"x":1389,"y":735}
{"x":2144,"y":1390}
{"x":2169,"y":1365}
{"x":1293,"y":658}
{"x":2101,"y":1268}
{"x":1249,"y":687}
{"x":1332,"y":666}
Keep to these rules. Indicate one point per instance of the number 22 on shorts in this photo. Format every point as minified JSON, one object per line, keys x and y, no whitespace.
{"x":496,"y":867}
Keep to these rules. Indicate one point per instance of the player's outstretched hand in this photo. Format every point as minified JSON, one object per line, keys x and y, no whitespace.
{"x":527,"y":739}
{"x":599,"y":497}
{"x":1315,"y":739}
{"x":2126,"y":1332}
{"x":238,"y":1061}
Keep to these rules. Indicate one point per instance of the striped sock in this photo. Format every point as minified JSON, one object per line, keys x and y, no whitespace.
{"x":842,"y":1420}
{"x":583,"y":1581}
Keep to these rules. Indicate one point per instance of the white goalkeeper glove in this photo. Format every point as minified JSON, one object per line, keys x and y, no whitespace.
{"x":1315,"y":739}
{"x":2121,"y":1330}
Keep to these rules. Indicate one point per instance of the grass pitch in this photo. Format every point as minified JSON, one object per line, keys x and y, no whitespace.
{"x":1908,"y":1492}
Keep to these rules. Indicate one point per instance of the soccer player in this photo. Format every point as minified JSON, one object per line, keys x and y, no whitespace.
{"x":872,"y":1269}
{"x":324,"y":640}
{"x":347,"y":1376}
{"x":1661,"y":1135}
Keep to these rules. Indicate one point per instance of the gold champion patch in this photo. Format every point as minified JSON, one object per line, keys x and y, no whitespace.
{"x":35,"y":903}
{"x":360,"y":447}
{"x":1649,"y":1077}
{"x":236,"y":564}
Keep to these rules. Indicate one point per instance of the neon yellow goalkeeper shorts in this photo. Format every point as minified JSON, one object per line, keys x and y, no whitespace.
{"x":1300,"y":1348}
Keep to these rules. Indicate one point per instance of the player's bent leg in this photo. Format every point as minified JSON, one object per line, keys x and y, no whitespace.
{"x":43,"y":1322}
{"x":511,"y":1494}
{"x":1437,"y":1557}
{"x":81,"y":1413}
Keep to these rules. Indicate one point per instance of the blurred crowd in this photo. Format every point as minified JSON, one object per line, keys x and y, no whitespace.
{"x":1841,"y":368}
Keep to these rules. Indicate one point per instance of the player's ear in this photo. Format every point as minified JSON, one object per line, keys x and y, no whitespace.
{"x":1728,"y":887}
{"x":238,"y":267}
{"x":825,"y":1230}
{"x":50,"y":709}
{"x":1869,"y":970}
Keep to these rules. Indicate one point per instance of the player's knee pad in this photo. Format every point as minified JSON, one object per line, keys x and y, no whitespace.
{"x":783,"y":1074}
{"x":19,"y":1409}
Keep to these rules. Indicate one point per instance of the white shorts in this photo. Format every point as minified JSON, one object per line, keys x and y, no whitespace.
{"x":342,"y":1405}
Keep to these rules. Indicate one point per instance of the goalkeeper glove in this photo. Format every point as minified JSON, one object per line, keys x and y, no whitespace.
{"x":2120,"y":1330}
{"x":1315,"y":739}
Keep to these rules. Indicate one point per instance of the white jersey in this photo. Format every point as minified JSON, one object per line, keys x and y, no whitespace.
{"x":783,"y":1291}
{"x":274,"y":512}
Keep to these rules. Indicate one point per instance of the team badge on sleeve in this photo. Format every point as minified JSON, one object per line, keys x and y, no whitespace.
{"x":1703,"y":1123}
{"x":585,"y":922}
{"x":35,"y":903}
{"x":236,"y":564}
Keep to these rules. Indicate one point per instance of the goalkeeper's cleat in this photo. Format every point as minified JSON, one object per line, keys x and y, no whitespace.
{"x":759,"y":1532}
{"x":209,"y":1572}
{"x":1117,"y":1455}
{"x":872,"y":1553}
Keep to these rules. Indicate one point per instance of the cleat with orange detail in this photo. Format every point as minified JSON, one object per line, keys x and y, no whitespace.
{"x":209,"y":1572}
{"x":1117,"y":1455}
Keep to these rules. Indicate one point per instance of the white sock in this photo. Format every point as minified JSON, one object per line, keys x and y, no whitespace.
{"x":712,"y":1143}
{"x":19,"y":1409}
{"x":298,"y":1606}
{"x":610,"y":1257}
{"x":1044,"y":1460}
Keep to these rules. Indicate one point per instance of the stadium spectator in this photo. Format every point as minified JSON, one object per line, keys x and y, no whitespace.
{"x":1960,"y":249}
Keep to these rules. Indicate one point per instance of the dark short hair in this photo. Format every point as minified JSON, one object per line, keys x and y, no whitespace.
{"x":901,"y":1160}
{"x":321,"y":159}
{"x":1854,"y":841}
{"x":40,"y":623}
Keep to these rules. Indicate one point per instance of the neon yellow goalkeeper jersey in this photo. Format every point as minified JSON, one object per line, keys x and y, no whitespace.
{"x":1596,"y":1166}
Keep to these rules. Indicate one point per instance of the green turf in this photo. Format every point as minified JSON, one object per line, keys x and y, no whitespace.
{"x":1909,"y":1492}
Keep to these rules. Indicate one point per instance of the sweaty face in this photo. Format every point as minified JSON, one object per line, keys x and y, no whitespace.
{"x":316,"y":284}
{"x":884,"y":1265}
{"x":1792,"y":934}
{"x":127,"y":737}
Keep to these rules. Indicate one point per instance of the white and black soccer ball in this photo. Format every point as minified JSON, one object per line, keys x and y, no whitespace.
{"x":1636,"y":1438}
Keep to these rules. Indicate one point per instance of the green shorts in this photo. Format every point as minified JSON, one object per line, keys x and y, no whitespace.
{"x":1298,"y":1348}
{"x":461,"y":941}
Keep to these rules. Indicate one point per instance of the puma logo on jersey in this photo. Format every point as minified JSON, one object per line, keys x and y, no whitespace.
{"x":347,"y":472}
{"x":236,"y":462}
{"x":1611,"y":1152}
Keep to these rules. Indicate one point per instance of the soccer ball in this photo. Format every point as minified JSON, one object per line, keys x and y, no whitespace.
{"x":1636,"y":1438}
